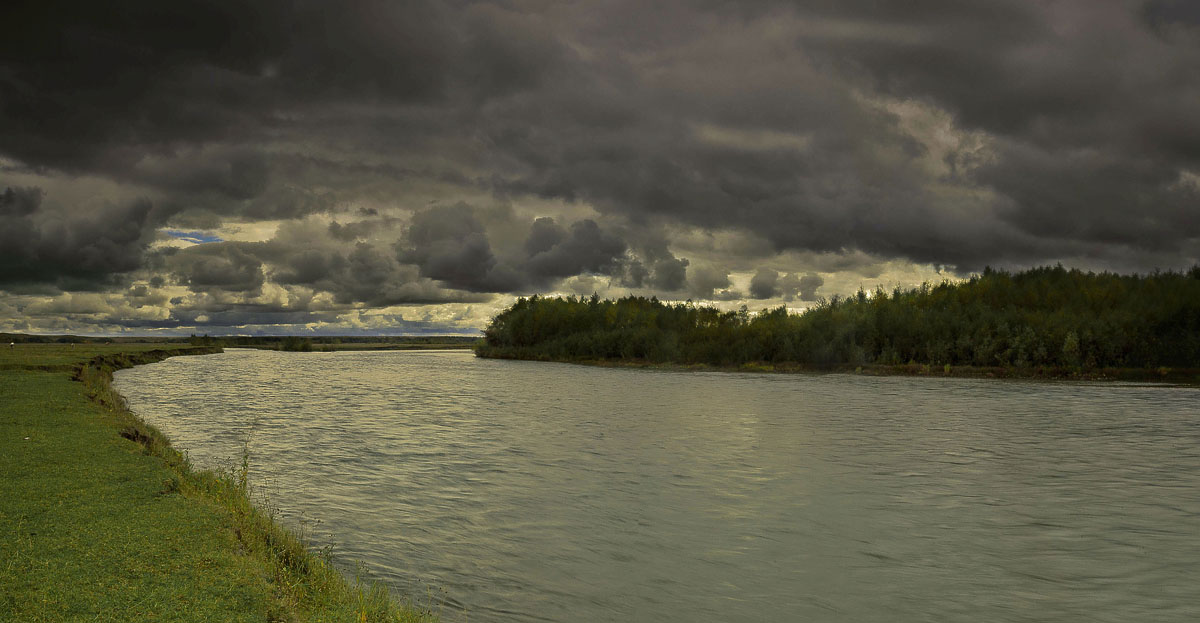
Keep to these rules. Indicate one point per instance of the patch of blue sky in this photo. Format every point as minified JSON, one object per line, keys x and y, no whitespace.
{"x":194,"y":237}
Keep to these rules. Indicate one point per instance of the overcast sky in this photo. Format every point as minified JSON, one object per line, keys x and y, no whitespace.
{"x":401,"y":167}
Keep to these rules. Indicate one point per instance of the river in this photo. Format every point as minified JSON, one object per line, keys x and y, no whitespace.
{"x":524,"y":491}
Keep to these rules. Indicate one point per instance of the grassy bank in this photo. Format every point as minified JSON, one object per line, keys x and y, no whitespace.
{"x":101,"y":520}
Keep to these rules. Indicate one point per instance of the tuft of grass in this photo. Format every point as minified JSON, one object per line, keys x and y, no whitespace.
{"x":102,"y":520}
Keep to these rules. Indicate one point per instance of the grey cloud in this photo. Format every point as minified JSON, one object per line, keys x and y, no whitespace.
{"x":852,"y":179}
{"x":20,"y":202}
{"x":662,"y":271}
{"x":311,"y":267}
{"x":705,"y":280}
{"x":44,"y":243}
{"x":453,"y":244}
{"x":803,"y":287}
{"x":807,"y":287}
{"x":227,"y":266}
{"x":768,"y":283}
{"x":508,"y":51}
{"x":152,"y":75}
{"x":333,"y":258}
{"x":449,"y":244}
{"x":1096,"y":196}
{"x":633,"y":273}
{"x":545,"y":103}
{"x":587,"y":248}
{"x":764,"y":284}
{"x":952,"y":132}
{"x":353,"y":231}
{"x":460,"y":262}
{"x":1172,"y":14}
{"x":544,"y":235}
{"x":141,"y":295}
{"x":240,"y":315}
{"x":670,"y":274}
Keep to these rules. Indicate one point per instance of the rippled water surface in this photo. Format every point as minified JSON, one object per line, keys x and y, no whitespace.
{"x":519,"y":491}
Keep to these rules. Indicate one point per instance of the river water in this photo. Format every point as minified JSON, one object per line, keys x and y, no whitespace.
{"x":522,"y":491}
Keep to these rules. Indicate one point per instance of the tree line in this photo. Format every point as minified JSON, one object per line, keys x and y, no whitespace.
{"x":1047,"y":316}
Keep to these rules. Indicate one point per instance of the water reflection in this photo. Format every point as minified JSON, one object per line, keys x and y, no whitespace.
{"x":534,"y":491}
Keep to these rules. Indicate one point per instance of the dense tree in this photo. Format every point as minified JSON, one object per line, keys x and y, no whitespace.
{"x":1041,"y":317}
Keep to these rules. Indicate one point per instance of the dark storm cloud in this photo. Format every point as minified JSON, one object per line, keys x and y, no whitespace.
{"x":338,"y":260}
{"x":768,"y":283}
{"x":634,"y":274}
{"x":452,"y":245}
{"x":449,"y":244}
{"x":20,"y":202}
{"x":794,"y":163}
{"x":90,"y":85}
{"x":45,"y":244}
{"x":706,"y":280}
{"x":1171,"y":15}
{"x":952,"y":132}
{"x":227,"y":266}
{"x":141,"y":296}
{"x":585,"y":248}
{"x":802,"y":287}
{"x":1097,"y":196}
{"x":1065,"y":74}
{"x":544,"y":235}
{"x":773,"y":134}
{"x":1092,"y":102}
{"x":670,"y":274}
{"x":444,"y":255}
{"x":764,"y":284}
{"x":651,"y":264}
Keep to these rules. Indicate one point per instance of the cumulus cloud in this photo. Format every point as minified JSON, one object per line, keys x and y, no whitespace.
{"x":704,"y":281}
{"x":670,"y":274}
{"x":803,"y":287}
{"x":53,"y":244}
{"x":768,"y":283}
{"x":228,"y":266}
{"x":352,"y":263}
{"x":764,"y":284}
{"x":586,"y":247}
{"x":449,"y":244}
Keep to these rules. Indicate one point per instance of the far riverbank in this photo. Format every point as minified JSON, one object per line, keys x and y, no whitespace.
{"x":1168,"y":376}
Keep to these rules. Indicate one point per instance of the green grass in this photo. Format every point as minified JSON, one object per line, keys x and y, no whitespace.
{"x":66,"y":356}
{"x":101,"y":520}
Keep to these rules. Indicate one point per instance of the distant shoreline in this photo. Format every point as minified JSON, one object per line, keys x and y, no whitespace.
{"x":330,"y":348}
{"x":1165,"y":376}
{"x":1043,"y":323}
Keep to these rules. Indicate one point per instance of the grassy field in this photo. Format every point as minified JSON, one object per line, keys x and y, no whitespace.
{"x":101,"y":520}
{"x":65,"y":356}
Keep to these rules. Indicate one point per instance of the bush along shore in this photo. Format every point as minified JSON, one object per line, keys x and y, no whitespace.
{"x":102,"y":520}
{"x":1042,"y":323}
